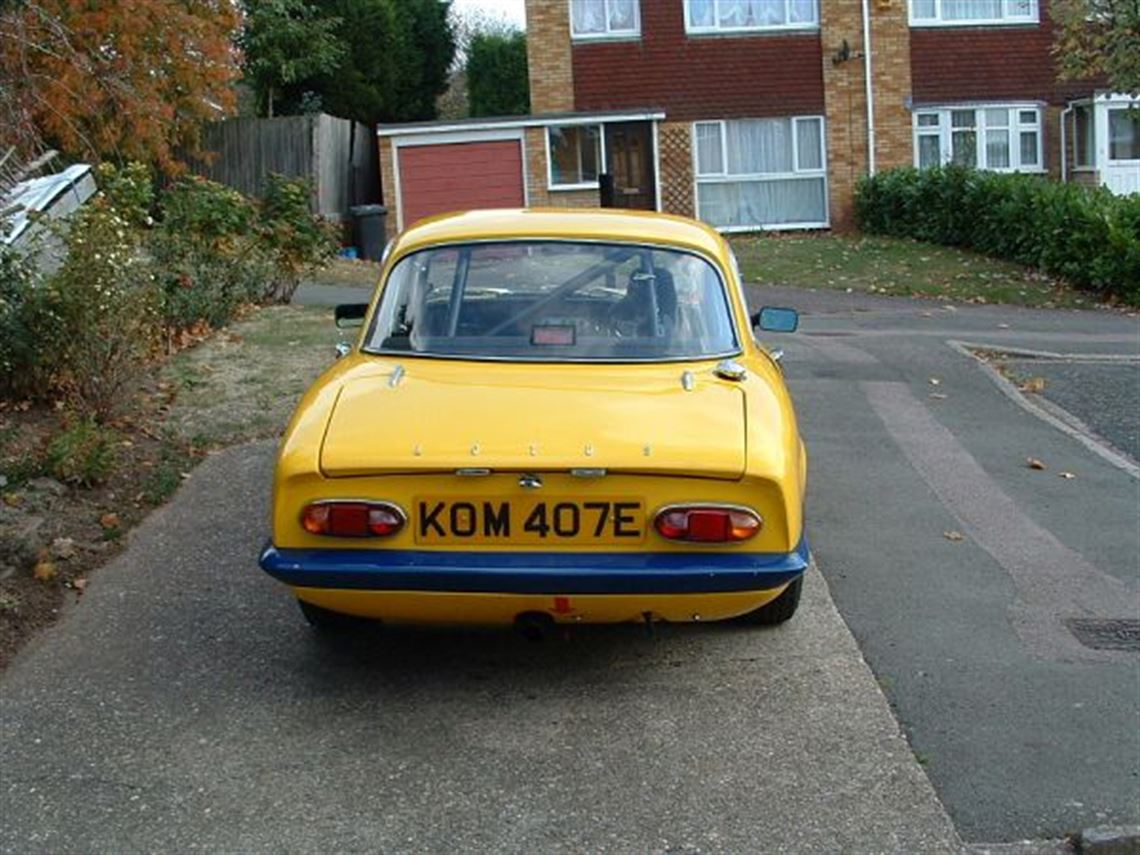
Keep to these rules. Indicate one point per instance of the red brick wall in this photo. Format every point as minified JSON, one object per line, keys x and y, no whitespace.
{"x":987,"y":64}
{"x":699,"y":77}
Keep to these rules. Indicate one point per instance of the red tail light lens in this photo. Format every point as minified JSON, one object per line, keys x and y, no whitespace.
{"x":352,"y":519}
{"x":708,"y":524}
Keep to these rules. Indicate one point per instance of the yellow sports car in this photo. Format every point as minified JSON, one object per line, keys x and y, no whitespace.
{"x":549,"y":416}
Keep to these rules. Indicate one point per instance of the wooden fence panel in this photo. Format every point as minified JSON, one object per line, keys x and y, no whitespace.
{"x":337,"y":155}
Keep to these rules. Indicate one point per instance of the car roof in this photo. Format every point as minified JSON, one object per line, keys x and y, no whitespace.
{"x":563,"y":224}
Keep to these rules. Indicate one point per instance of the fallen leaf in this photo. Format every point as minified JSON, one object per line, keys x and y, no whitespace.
{"x":1034,"y":463}
{"x":1035,"y":385}
{"x":79,"y":584}
{"x":63,"y":548}
{"x":1068,"y":476}
{"x":109,"y":521}
{"x":13,"y":500}
{"x":45,"y":571}
{"x":953,"y":535}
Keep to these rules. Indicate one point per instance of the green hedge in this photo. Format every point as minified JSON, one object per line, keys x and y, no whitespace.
{"x":1085,"y":235}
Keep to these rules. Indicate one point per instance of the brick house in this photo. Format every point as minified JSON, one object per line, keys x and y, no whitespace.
{"x":755,"y":114}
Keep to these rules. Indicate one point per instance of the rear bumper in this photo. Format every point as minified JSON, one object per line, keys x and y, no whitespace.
{"x":534,"y":572}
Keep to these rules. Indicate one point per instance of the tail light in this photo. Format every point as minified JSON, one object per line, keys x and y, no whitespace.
{"x":352,"y":519}
{"x":708,"y":524}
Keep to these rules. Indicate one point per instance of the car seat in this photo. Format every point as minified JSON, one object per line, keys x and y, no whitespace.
{"x":635,"y":307}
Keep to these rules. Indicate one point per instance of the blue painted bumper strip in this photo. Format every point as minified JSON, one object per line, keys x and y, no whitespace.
{"x":535,"y":572}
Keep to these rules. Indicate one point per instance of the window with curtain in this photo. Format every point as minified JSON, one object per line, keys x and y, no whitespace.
{"x":1123,"y":135}
{"x":948,"y":12}
{"x":604,"y":18}
{"x":575,"y":155}
{"x":1001,"y":138}
{"x":715,"y":16}
{"x":761,"y":173}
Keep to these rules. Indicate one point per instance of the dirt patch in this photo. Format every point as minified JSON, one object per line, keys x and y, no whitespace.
{"x":238,"y":385}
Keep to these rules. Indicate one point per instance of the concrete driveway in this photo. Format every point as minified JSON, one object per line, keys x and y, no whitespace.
{"x":184,"y":706}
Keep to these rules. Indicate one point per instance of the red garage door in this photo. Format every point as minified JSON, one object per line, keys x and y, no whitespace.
{"x":460,"y":176}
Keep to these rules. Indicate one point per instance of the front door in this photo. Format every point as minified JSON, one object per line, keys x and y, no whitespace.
{"x":629,"y":158}
{"x":1118,"y":144}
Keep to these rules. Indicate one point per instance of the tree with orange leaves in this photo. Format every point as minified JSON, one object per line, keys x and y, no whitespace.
{"x":118,"y":79}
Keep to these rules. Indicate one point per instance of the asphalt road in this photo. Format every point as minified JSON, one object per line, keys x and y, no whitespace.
{"x":1024,"y":732}
{"x":1104,"y":396}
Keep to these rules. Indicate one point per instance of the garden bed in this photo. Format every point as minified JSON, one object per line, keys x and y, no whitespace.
{"x":238,"y":385}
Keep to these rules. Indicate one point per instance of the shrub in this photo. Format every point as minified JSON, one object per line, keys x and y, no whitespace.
{"x":84,"y":454}
{"x":296,"y":239}
{"x":1085,"y":235}
{"x":77,"y":313}
{"x":19,"y":294}
{"x":207,"y":255}
{"x":129,"y":190}
{"x":96,"y":324}
{"x":134,"y":265}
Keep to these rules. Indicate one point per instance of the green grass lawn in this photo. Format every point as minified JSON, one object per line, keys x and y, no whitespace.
{"x":243,"y":382}
{"x":882,"y":265}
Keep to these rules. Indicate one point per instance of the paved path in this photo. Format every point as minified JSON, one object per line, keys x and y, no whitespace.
{"x":184,"y":706}
{"x":1025,"y":732}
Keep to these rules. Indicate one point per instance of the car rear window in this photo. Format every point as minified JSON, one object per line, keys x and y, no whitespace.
{"x":554,"y":301}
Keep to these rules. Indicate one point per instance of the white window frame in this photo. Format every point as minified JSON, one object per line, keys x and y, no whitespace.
{"x":581,"y":185}
{"x":1109,"y":159}
{"x":725,"y":177}
{"x":1006,"y":20}
{"x":1014,"y":126}
{"x":716,"y":29}
{"x":608,"y":34}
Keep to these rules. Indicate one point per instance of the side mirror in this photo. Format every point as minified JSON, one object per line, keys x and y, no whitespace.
{"x":350,"y":315}
{"x":772,"y":319}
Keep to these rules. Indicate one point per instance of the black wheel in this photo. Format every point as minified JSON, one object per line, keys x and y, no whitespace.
{"x":779,"y":610}
{"x":325,"y":620}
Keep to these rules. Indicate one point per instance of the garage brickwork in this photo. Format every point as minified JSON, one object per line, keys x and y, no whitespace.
{"x":388,"y":186}
{"x":675,"y":143}
{"x":539,"y":195}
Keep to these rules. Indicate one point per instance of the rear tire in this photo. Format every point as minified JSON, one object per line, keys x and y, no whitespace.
{"x":779,"y":610}
{"x":324,"y":620}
